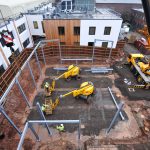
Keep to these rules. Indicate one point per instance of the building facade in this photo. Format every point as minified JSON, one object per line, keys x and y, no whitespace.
{"x":102,"y":25}
{"x":78,"y":27}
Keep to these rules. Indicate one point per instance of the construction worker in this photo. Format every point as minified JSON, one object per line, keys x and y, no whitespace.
{"x":60,"y":128}
{"x":46,"y":86}
{"x":44,"y":107}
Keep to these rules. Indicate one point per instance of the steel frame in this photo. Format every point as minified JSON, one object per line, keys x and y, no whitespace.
{"x":30,"y":124}
{"x":112,"y":42}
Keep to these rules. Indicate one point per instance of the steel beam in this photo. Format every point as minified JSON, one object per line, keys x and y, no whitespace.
{"x":43,"y":55}
{"x":32,"y":75}
{"x":121,"y":115}
{"x":115,"y":117}
{"x":9,"y":120}
{"x":54,"y":121}
{"x":43,"y":117}
{"x":23,"y":94}
{"x":33,"y":131}
{"x":38,"y":62}
{"x":23,"y":136}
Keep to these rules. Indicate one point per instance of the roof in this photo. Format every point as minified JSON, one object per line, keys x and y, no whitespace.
{"x":99,"y":14}
{"x":120,"y":1}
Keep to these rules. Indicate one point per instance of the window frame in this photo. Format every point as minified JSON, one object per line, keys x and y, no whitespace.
{"x":25,"y":41}
{"x":90,"y":30}
{"x":35,"y":25}
{"x":106,"y":31}
{"x":21,"y":28}
{"x":75,"y":32}
{"x":105,"y":46}
{"x":61,"y":32}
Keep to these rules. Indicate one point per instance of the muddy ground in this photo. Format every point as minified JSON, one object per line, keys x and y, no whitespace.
{"x":124,"y":72}
{"x":16,"y":107}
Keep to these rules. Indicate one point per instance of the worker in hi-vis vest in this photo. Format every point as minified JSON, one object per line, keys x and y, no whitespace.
{"x":60,"y":128}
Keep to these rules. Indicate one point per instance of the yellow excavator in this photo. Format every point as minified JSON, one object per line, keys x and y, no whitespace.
{"x":73,"y":71}
{"x":85,"y":91}
{"x":140,"y":66}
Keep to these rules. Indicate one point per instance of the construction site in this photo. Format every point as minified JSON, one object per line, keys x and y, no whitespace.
{"x":74,"y":97}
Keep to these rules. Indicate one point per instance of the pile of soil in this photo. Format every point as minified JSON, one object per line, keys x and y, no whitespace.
{"x":58,"y":145}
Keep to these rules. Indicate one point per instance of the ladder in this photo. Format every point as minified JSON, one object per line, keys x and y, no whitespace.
{"x":48,"y":109}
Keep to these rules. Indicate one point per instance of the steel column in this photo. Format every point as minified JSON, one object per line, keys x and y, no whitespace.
{"x":38,"y":62}
{"x":43,"y":54}
{"x":60,"y":51}
{"x":32,"y":75}
{"x":23,"y":136}
{"x":22,"y":92}
{"x":111,"y":50}
{"x":34,"y":132}
{"x":115,"y":117}
{"x":10,"y":121}
{"x":43,"y":117}
{"x":122,"y":117}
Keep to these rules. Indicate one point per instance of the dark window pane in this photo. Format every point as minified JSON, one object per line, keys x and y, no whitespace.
{"x":92,"y":30}
{"x":26,"y":43}
{"x":107,"y":30}
{"x":2,"y":70}
{"x":62,"y":43}
{"x":90,"y":43}
{"x":21,"y":28}
{"x":77,"y":43}
{"x":76,"y":30}
{"x":104,"y":44}
{"x":61,"y":30}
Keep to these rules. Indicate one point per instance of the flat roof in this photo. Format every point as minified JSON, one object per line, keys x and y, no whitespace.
{"x":101,"y":13}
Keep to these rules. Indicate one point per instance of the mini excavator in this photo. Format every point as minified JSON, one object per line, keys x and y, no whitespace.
{"x":72,"y":72}
{"x":85,"y":91}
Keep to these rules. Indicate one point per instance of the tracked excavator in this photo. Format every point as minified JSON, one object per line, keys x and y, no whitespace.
{"x":140,"y":67}
{"x":73,"y":71}
{"x":140,"y":64}
{"x":85,"y":91}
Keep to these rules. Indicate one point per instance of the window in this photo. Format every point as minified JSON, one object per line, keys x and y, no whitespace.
{"x":77,"y":43}
{"x":43,"y":27}
{"x":92,"y":30}
{"x":26,"y":43}
{"x":90,"y":43}
{"x":2,"y":70}
{"x":61,"y":30}
{"x":21,"y":28}
{"x":35,"y":23}
{"x":107,"y":30}
{"x":104,"y":44}
{"x":62,"y":43}
{"x":11,"y":58}
{"x":76,"y":30}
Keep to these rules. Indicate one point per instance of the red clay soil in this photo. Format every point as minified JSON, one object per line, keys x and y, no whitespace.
{"x":15,"y":107}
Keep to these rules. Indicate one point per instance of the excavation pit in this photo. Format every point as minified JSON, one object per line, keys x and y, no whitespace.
{"x":94,"y":116}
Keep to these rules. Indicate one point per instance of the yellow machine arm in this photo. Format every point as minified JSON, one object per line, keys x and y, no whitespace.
{"x":86,"y":89}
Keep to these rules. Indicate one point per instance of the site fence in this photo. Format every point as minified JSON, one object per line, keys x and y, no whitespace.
{"x":53,"y":50}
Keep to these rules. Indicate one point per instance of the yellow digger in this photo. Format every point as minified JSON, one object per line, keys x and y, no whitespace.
{"x":85,"y":91}
{"x":140,"y":67}
{"x":72,"y":72}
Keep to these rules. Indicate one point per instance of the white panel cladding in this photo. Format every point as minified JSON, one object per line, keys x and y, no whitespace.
{"x":99,"y":32}
{"x":39,"y":19}
{"x":2,"y":61}
{"x":25,"y":34}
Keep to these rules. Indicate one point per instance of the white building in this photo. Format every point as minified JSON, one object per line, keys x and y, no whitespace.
{"x":101,"y":24}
